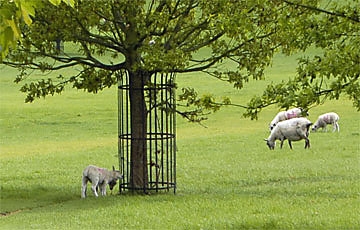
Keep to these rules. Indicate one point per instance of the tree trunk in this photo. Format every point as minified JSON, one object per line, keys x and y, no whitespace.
{"x":138,"y":113}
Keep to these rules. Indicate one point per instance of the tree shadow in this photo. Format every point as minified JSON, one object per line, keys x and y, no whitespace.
{"x":14,"y":200}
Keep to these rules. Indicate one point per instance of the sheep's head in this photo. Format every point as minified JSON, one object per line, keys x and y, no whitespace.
{"x":112,"y":184}
{"x":314,"y":128}
{"x":115,"y":175}
{"x":272,"y":126}
{"x":270,"y":144}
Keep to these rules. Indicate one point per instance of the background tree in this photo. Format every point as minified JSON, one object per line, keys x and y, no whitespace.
{"x":147,"y":37}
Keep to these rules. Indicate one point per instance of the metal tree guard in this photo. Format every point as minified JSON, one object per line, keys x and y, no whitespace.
{"x":160,"y":132}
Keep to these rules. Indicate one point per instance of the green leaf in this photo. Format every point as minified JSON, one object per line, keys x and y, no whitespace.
{"x":69,"y":2}
{"x":55,"y":2}
{"x":27,"y":9}
{"x":15,"y":28}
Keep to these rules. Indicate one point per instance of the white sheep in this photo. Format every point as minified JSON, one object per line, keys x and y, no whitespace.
{"x":293,"y":130}
{"x":285,"y":115}
{"x":326,"y":119}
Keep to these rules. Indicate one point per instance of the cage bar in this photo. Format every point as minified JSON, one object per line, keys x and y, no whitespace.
{"x":160,"y":132}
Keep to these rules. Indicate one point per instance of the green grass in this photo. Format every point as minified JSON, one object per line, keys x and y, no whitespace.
{"x":227,"y":177}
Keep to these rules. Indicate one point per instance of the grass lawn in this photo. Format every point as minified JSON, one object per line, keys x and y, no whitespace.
{"x":227,"y":177}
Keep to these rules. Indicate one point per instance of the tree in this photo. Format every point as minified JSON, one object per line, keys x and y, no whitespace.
{"x":336,"y":33}
{"x":163,"y":36}
{"x":11,"y":13}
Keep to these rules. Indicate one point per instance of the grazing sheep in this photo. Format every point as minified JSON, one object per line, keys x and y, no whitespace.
{"x":285,"y":115}
{"x":293,"y":130}
{"x":326,"y":119}
{"x":99,"y":178}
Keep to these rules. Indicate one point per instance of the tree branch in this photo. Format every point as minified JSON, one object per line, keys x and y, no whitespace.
{"x":213,"y":60}
{"x":313,"y":8}
{"x":105,"y":41}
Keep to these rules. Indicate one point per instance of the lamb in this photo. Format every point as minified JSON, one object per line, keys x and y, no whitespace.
{"x":285,"y":115}
{"x":293,"y":130}
{"x":99,"y":178}
{"x":326,"y":119}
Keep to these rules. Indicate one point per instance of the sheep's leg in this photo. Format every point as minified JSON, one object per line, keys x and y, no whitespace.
{"x":94,"y":185}
{"x":93,"y":188}
{"x":307,"y":143}
{"x":290,"y":144}
{"x":103,"y":189}
{"x":337,"y":126}
{"x":281,"y":144}
{"x":83,"y":187}
{"x":334,"y":127}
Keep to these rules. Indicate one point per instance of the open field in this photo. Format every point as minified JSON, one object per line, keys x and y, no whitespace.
{"x":227,"y":177}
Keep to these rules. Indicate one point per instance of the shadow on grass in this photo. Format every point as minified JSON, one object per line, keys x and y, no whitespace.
{"x":14,"y":200}
{"x":335,"y":186}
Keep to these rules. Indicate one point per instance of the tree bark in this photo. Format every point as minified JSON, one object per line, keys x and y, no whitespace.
{"x":138,"y":113}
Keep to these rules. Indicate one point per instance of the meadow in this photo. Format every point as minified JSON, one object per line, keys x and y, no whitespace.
{"x":227,"y":178}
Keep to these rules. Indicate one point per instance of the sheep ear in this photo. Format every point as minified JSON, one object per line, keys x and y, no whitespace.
{"x":265,"y":140}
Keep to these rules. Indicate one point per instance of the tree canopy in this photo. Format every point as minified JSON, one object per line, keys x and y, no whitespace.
{"x":10,"y":17}
{"x":165,"y":36}
{"x":335,"y":31}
